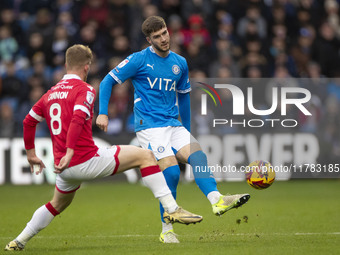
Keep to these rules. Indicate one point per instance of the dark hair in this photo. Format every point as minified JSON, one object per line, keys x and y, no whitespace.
{"x":152,"y":24}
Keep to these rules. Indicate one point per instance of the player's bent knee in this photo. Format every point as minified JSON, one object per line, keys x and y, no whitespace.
{"x":145,"y":158}
{"x":61,"y":201}
{"x":148,"y":157}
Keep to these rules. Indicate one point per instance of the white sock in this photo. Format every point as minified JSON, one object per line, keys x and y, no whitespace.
{"x":166,"y":227}
{"x":214,"y":196}
{"x":154,"y":179}
{"x":40,"y":220}
{"x":169,"y":203}
{"x":157,"y":184}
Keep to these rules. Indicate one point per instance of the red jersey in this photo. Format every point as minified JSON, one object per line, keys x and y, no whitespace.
{"x":58,"y":106}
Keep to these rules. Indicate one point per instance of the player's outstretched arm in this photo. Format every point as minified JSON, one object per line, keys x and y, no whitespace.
{"x":30,"y":124}
{"x":73,"y":133}
{"x":184,"y":109}
{"x":105,"y":90}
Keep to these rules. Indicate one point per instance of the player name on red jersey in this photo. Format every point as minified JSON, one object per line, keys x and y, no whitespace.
{"x":58,"y":95}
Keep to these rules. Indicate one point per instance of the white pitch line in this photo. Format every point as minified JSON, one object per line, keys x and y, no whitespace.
{"x":307,"y":234}
{"x":231,"y":234}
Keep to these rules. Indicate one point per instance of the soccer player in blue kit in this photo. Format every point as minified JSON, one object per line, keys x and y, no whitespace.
{"x":159,"y":76}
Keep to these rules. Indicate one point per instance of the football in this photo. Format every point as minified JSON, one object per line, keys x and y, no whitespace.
{"x":260,"y":174}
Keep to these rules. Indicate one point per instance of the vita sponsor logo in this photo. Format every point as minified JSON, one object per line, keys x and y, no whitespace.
{"x":238,"y":97}
{"x":162,"y":84}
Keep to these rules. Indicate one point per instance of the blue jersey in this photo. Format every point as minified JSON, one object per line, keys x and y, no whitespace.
{"x":156,"y":81}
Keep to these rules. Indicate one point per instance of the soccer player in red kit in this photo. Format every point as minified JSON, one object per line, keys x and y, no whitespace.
{"x":68,"y":110}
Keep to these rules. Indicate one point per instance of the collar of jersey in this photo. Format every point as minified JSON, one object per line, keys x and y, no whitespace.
{"x":153,"y":51}
{"x":71,"y":76}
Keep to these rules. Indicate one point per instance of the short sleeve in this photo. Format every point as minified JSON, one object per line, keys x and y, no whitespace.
{"x":37,"y":111}
{"x":126,"y":69}
{"x":85,"y":100}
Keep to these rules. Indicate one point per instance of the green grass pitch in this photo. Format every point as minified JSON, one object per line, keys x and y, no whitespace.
{"x":294,"y":217}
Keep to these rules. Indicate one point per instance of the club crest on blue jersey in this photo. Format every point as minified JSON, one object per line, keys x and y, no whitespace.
{"x":175,"y":69}
{"x":161,"y":149}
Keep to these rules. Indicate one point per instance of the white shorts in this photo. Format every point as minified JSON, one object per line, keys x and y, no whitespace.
{"x":104,"y":164}
{"x":165,"y":141}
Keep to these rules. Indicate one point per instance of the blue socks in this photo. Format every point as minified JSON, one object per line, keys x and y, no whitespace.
{"x":171,"y":175}
{"x":203,"y":177}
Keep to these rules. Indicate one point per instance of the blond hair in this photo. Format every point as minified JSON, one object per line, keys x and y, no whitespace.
{"x":78,"y":56}
{"x":152,"y":24}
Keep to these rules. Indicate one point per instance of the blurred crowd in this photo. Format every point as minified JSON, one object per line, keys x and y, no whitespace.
{"x":219,"y":38}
